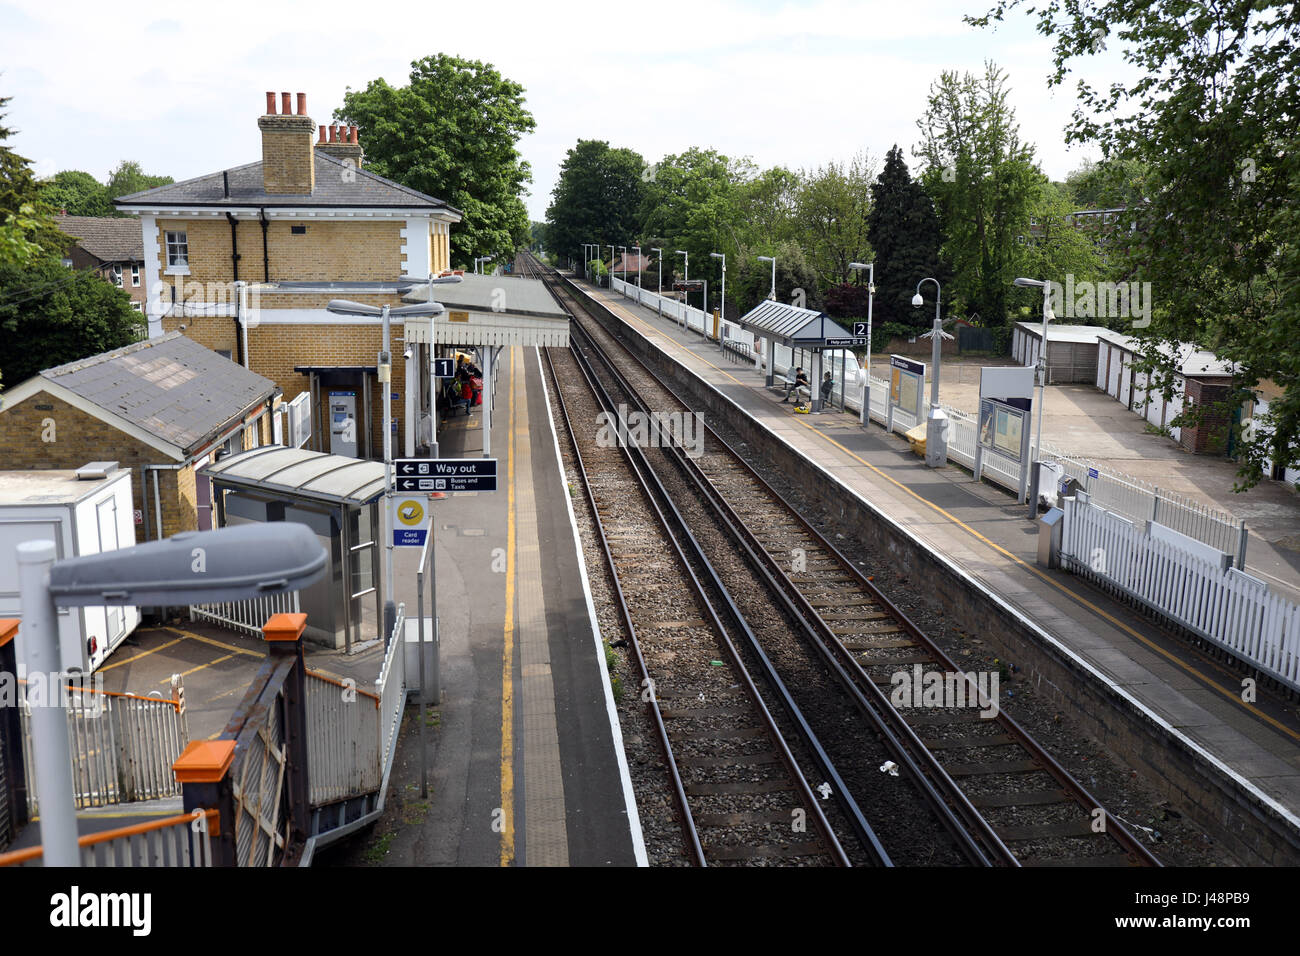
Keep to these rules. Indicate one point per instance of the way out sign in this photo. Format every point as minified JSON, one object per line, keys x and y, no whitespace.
{"x":410,"y":520}
{"x":445,"y":474}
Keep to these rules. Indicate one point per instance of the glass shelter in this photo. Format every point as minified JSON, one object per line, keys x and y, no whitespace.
{"x":339,"y":499}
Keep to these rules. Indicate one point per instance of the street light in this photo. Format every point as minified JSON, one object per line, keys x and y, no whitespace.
{"x":385,"y":370}
{"x":477,"y":271}
{"x":871,"y":295}
{"x":936,"y":426}
{"x":771,"y":259}
{"x":723,"y":312}
{"x":638,"y":266}
{"x":194,"y":567}
{"x":1036,"y":450}
{"x":686,"y":277}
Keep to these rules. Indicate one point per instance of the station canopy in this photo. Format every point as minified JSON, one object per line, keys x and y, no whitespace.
{"x":303,"y":474}
{"x":491,"y":311}
{"x":795,"y":327}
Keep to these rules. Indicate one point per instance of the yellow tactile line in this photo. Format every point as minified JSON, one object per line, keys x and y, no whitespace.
{"x":508,"y":652}
{"x":133,"y":659}
{"x":1231,"y":694}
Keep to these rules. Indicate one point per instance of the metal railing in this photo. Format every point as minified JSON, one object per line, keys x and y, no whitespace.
{"x":1223,"y":605}
{"x":123,"y":745}
{"x":247,"y":617}
{"x":257,"y":777}
{"x":391,"y":686}
{"x":182,"y":840}
{"x":343,"y":739}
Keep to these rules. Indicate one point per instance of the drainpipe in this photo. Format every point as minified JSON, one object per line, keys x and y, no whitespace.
{"x":241,"y":324}
{"x":266,"y":256}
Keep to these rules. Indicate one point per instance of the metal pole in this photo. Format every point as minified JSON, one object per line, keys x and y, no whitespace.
{"x":419,"y":604}
{"x":390,"y":606}
{"x":866,"y":388}
{"x":1037,"y":451}
{"x":774,"y":278}
{"x":39,"y":634}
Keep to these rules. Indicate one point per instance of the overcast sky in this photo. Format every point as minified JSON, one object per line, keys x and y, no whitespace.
{"x":179,"y":87}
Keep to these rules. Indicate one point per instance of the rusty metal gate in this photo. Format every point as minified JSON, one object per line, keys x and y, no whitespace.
{"x":260,"y":795}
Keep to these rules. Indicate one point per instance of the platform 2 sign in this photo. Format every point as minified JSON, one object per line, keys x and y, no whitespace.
{"x":408,"y":518}
{"x":861,"y":328}
{"x":423,"y":475}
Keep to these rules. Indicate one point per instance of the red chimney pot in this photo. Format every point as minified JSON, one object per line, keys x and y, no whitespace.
{"x":302,"y":104}
{"x":353,"y":140}
{"x":322,"y":134}
{"x":270,"y":104}
{"x":286,"y":104}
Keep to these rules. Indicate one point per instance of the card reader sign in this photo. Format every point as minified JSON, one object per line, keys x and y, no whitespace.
{"x":445,"y":474}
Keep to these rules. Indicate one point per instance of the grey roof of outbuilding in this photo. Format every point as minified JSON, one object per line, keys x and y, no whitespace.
{"x":171,"y":387}
{"x":791,"y":325}
{"x":299,"y":473}
{"x":513,"y":295}
{"x":337,"y":185}
{"x":104,"y":237}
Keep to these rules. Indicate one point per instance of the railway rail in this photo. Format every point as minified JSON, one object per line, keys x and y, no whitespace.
{"x":999,"y":797}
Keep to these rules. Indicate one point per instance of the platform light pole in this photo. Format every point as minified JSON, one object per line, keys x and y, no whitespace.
{"x":638,"y":266}
{"x":936,"y":426}
{"x":200,"y":567}
{"x":771,"y":259}
{"x":385,"y":375}
{"x":723,"y":311}
{"x":871,"y":295}
{"x":1036,"y":450}
{"x":623,"y":262}
{"x":661,"y":269}
{"x":611,"y":266}
{"x":686,"y":277}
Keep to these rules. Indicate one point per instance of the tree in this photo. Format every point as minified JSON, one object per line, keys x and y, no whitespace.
{"x":832,"y":206}
{"x":1211,"y":113}
{"x":982,"y":179}
{"x":50,"y":315}
{"x":1108,"y":185}
{"x":1060,"y":249}
{"x":452,"y":133}
{"x":749,"y":281}
{"x":598,"y":196}
{"x":128,"y":178}
{"x":904,"y":232}
{"x":77,"y":193}
{"x":27,"y":230}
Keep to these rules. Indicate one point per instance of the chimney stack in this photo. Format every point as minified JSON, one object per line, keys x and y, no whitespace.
{"x":342,"y":144}
{"x":288,"y":164}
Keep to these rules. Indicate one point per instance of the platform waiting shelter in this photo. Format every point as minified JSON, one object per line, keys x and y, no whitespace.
{"x":339,"y":499}
{"x":798,"y":329}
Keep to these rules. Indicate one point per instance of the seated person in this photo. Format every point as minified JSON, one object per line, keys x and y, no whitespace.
{"x":800,"y":380}
{"x":453,"y":399}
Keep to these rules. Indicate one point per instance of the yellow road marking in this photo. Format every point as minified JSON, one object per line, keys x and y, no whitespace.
{"x":193,"y":670}
{"x":1228,"y":692}
{"x":129,"y":660}
{"x":508,"y":652}
{"x":233,"y":648}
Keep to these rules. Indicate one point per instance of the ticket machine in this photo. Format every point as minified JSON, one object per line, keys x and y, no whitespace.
{"x":343,"y":423}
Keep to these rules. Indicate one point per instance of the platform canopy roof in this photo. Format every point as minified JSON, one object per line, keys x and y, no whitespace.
{"x":796,"y":327}
{"x":299,"y":473}
{"x":492,"y":311}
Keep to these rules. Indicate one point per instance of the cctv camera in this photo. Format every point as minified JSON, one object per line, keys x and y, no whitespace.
{"x":407,"y":355}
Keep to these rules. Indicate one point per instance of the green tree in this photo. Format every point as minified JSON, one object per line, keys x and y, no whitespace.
{"x":452,"y":133}
{"x":1058,"y":248}
{"x":983,"y":182}
{"x":50,"y":315}
{"x":598,"y":196}
{"x":904,"y":232}
{"x":1211,"y":113}
{"x":749,"y":281}
{"x":27,"y":230}
{"x":128,"y":178}
{"x":832,"y":207}
{"x":1107,"y":185}
{"x":77,"y":193}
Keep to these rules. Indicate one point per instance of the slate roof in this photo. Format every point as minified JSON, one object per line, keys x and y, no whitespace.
{"x":337,"y":186}
{"x":171,"y":387}
{"x":104,"y":237}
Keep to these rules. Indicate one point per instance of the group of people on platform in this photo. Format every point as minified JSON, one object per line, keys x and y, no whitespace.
{"x":463,"y":390}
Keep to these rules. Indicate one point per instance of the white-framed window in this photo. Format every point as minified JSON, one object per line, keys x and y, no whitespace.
{"x":135,"y":277}
{"x":117,"y":275}
{"x":137,"y":307}
{"x":178,"y":252}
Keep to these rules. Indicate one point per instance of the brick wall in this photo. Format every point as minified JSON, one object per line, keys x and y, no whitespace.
{"x":288,"y":163}
{"x":1210,"y":435}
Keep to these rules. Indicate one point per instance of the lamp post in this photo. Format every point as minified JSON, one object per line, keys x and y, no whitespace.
{"x":1036,"y":450}
{"x":936,"y":427}
{"x":623,"y":262}
{"x":871,"y":295}
{"x":686,"y":278}
{"x":771,"y":259}
{"x":723,"y":310}
{"x":200,"y":567}
{"x":661,"y":270}
{"x":611,"y":266}
{"x":385,"y":370}
{"x":477,"y":270}
{"x":638,"y":266}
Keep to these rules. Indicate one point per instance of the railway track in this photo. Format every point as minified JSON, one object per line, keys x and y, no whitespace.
{"x":1000,"y":797}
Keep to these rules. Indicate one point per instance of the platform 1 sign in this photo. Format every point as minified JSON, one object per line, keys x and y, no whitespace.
{"x":444,"y":368}
{"x":408,"y":518}
{"x":424,"y":475}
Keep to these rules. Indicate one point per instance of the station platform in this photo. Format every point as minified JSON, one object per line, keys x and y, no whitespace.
{"x":982,"y":529}
{"x":525,"y":759}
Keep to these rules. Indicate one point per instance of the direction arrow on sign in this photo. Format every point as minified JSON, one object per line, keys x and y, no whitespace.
{"x":445,"y":474}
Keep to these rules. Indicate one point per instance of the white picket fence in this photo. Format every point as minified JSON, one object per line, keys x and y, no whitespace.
{"x":1225,"y":606}
{"x":1113,"y":490}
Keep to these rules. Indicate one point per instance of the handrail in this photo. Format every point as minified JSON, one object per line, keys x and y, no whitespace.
{"x":174,"y":701}
{"x":338,"y":683}
{"x":212,"y":817}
